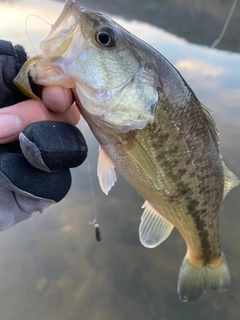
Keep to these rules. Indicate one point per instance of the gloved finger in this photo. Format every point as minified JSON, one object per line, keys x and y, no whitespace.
{"x":52,"y":145}
{"x":25,"y":189}
{"x":11,"y":60}
{"x":15,"y":118}
{"x":20,"y":176}
{"x":12,"y":147}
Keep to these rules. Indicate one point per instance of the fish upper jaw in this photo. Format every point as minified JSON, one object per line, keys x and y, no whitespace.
{"x":62,"y":33}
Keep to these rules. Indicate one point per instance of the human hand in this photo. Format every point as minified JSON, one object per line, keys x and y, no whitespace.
{"x":57,"y":104}
{"x":48,"y":145}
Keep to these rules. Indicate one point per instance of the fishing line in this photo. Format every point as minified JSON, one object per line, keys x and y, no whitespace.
{"x":26,"y":28}
{"x":94,"y":222}
{"x":218,"y":40}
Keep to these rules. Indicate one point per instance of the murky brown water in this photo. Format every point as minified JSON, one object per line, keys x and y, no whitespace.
{"x":51,"y":266}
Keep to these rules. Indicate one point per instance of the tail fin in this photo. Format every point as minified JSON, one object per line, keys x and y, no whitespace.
{"x":195,"y":280}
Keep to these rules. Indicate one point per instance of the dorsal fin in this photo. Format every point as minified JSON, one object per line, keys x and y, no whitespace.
{"x":230,"y":180}
{"x":105,"y":171}
{"x":153,"y":229}
{"x":211,"y":126}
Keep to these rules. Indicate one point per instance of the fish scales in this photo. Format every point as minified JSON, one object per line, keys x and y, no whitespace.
{"x":179,"y":186}
{"x":151,"y":128}
{"x":206,"y":163}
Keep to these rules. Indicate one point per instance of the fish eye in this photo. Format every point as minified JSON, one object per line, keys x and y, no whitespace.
{"x":106,"y":37}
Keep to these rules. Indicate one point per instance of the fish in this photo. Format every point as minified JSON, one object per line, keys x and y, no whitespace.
{"x":151,"y":128}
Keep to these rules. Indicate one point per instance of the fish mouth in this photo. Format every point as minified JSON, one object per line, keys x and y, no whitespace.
{"x":63,"y":30}
{"x":41,"y":68}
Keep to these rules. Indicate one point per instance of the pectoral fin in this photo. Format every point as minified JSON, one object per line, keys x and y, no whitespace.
{"x":153,"y":229}
{"x":230,"y":180}
{"x":139,"y":154}
{"x":105,"y":171}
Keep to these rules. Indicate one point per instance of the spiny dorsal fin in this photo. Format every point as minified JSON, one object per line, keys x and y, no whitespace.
{"x":133,"y":147}
{"x":212,"y":126}
{"x":230,"y":180}
{"x":105,"y":171}
{"x":153,"y":229}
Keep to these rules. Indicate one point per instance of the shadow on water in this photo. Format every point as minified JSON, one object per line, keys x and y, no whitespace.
{"x":51,"y":267}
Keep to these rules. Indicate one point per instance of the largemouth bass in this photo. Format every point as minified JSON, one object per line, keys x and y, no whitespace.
{"x":151,"y":127}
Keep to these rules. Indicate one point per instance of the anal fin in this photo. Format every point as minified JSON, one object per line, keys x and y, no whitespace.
{"x":105,"y":171}
{"x":153,"y":229}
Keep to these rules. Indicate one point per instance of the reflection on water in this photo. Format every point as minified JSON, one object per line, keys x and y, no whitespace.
{"x":51,"y":267}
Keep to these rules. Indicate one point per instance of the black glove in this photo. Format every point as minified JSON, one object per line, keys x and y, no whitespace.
{"x":48,"y":145}
{"x":11,"y":61}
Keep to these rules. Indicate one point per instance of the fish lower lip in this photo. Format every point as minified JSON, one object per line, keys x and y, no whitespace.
{"x":33,"y":85}
{"x":79,"y":106}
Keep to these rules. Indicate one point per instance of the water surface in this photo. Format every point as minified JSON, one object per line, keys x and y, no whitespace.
{"x":51,"y":266}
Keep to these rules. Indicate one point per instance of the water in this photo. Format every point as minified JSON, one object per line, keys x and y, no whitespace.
{"x":51,"y":266}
